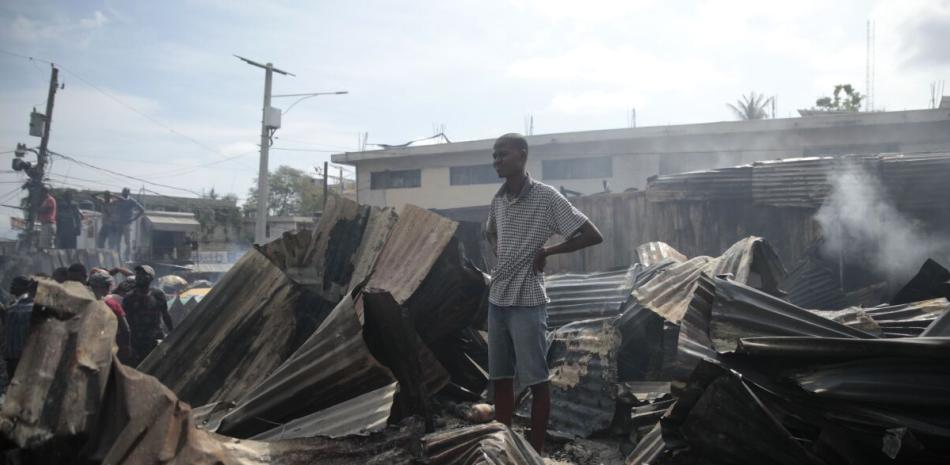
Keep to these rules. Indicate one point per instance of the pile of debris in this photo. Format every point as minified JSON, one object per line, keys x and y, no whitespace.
{"x":356,"y":343}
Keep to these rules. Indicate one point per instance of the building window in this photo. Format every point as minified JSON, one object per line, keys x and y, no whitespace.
{"x":475,"y":174}
{"x":395,"y":179}
{"x":578,"y":168}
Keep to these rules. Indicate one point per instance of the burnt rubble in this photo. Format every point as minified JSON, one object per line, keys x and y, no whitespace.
{"x":356,"y":342}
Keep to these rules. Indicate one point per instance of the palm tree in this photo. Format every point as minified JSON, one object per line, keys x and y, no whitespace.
{"x":752,"y":106}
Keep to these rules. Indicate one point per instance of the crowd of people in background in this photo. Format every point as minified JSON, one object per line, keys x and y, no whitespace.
{"x":140,"y":308}
{"x":61,"y":221}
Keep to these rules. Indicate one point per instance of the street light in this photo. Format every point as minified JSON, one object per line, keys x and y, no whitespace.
{"x":306,"y":96}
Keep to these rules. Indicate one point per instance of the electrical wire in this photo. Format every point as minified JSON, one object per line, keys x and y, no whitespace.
{"x":119,"y":101}
{"x":105,"y":170}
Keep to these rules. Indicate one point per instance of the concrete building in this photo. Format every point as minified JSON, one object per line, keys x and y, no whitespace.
{"x":458,"y":177}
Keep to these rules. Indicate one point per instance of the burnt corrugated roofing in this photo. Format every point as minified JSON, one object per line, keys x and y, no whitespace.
{"x":583,"y":364}
{"x":716,"y":184}
{"x":582,"y":296}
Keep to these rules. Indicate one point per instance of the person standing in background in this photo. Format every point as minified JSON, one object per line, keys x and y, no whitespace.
{"x":101,"y":284}
{"x":108,"y":227}
{"x":128,"y":211}
{"x":68,"y":222}
{"x":47,"y":219}
{"x":146,"y":308}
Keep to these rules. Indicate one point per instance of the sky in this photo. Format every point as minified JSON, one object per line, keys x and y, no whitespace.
{"x":153,"y":91}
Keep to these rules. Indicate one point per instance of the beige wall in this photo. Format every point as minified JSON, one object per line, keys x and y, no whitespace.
{"x":661,"y":150}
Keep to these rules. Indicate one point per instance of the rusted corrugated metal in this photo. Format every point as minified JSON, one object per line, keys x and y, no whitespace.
{"x":717,"y":184}
{"x":655,"y":252}
{"x":324,"y":260}
{"x":582,"y":296}
{"x":489,"y":444}
{"x":54,"y":395}
{"x":247,"y":325}
{"x":416,"y":242}
{"x":335,"y":364}
{"x":583,"y":364}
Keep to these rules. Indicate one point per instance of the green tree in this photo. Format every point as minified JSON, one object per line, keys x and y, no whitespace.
{"x":753,"y":106}
{"x":851,"y":102}
{"x":292,"y":192}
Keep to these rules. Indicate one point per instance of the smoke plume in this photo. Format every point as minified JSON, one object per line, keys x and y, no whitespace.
{"x":859,"y":220}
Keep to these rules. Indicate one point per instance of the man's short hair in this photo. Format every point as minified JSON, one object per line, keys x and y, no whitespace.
{"x":513,"y":140}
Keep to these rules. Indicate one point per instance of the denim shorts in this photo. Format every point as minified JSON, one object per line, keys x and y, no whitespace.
{"x":517,"y":344}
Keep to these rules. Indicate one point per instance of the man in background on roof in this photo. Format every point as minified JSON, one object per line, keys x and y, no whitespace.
{"x":129,"y":211}
{"x":68,"y":222}
{"x":47,"y":218}
{"x":146,"y":308}
{"x":523,"y":215}
{"x":107,"y":227}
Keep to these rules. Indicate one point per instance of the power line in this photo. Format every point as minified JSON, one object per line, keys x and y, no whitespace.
{"x":152,"y":119}
{"x":124,"y":175}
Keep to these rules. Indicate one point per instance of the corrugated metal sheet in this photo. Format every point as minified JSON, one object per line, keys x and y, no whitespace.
{"x":250,"y":322}
{"x":582,"y":296}
{"x":62,"y":373}
{"x":717,"y":184}
{"x":649,"y":449}
{"x":416,"y":242}
{"x":333,"y":365}
{"x":325,"y":259}
{"x":908,"y":320}
{"x":813,"y":285}
{"x":489,"y":444}
{"x":740,"y":311}
{"x":751,"y":260}
{"x":655,"y":252}
{"x":799,"y":182}
{"x":939,"y":327}
{"x":917,"y":182}
{"x":583,"y":364}
{"x":361,"y":415}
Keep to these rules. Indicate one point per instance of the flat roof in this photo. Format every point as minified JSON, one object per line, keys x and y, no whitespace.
{"x":720,"y":127}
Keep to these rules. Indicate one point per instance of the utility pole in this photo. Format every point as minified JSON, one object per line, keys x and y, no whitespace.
{"x":36,"y":173}
{"x":270,"y":119}
{"x":326,"y":180}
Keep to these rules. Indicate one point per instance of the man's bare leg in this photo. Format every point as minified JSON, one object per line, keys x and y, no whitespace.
{"x":504,"y":400}
{"x":540,"y":411}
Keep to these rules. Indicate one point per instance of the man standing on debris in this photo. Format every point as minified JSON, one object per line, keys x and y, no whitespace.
{"x":47,"y":218}
{"x":68,"y":222}
{"x":146,"y":308}
{"x":129,"y":211}
{"x":523,"y":215}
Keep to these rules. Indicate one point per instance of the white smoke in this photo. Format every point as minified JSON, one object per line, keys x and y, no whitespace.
{"x":859,"y":220}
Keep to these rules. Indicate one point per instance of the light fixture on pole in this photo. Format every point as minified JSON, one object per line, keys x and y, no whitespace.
{"x":269,"y":121}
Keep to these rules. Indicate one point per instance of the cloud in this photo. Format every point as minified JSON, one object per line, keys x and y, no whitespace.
{"x":925,"y":39}
{"x":23,"y":29}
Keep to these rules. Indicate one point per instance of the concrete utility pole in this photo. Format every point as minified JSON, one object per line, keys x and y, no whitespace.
{"x":270,"y":119}
{"x":37,"y":172}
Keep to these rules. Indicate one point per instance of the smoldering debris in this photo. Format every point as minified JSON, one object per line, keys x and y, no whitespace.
{"x":859,"y":218}
{"x":369,"y":348}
